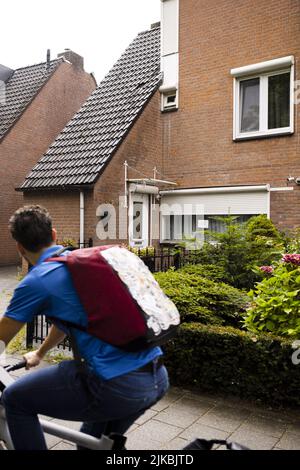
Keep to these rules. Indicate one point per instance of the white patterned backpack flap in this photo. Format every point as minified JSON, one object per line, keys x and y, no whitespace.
{"x":160,"y":312}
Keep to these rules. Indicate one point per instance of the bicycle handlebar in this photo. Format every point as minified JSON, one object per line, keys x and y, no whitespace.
{"x":19,"y":365}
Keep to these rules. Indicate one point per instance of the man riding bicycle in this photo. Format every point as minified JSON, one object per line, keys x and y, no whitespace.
{"x":110,"y":389}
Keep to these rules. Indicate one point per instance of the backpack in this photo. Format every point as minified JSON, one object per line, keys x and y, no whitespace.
{"x":124,"y":304}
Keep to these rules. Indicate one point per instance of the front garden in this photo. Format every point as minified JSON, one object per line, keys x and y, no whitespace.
{"x":240,"y":312}
{"x":239,"y":301}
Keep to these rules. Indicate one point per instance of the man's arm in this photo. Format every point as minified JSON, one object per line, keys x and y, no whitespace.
{"x":9,"y":328}
{"x":54,"y":337}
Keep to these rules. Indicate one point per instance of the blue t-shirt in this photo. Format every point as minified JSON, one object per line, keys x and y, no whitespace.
{"x":48,"y":289}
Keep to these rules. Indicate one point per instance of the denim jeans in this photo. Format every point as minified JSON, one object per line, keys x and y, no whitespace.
{"x":62,"y":392}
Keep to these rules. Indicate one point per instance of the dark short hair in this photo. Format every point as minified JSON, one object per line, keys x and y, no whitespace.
{"x":32,"y":227}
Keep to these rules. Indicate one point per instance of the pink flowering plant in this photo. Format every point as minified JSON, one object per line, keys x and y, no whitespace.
{"x":293,"y":258}
{"x":267,"y":269}
{"x":275,"y":301}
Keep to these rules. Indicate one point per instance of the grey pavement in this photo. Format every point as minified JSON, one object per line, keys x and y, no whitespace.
{"x":184,"y":415}
{"x":8,"y":282}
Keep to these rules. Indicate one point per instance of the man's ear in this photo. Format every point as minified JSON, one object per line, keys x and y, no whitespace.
{"x":54,"y":234}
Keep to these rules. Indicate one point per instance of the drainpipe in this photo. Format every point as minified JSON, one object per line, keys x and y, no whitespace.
{"x":81,"y":226}
{"x":151,"y":219}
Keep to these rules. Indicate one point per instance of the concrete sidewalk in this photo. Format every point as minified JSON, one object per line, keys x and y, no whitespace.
{"x":184,"y":415}
{"x":8,"y":282}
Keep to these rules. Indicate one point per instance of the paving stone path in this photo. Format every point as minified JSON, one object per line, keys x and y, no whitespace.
{"x":8,"y":281}
{"x":184,"y":415}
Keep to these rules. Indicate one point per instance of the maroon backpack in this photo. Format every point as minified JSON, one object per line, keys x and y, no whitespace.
{"x":123,"y":302}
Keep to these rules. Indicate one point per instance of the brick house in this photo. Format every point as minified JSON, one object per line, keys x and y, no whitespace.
{"x":234,"y":138}
{"x":220,"y":122}
{"x":84,"y":167}
{"x":36,"y":103}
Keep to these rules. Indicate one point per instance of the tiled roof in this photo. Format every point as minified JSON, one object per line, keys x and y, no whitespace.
{"x":89,"y":140}
{"x":20,"y":89}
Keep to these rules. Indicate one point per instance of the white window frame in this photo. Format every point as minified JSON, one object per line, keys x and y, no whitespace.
{"x":165,"y":106}
{"x":262,"y":71}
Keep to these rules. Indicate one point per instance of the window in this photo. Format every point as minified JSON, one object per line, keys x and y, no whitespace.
{"x":249,"y":97}
{"x":217,"y":225}
{"x":169,"y":101}
{"x":279,"y":101}
{"x":263,"y":100}
{"x":137,"y":220}
{"x":180,"y":227}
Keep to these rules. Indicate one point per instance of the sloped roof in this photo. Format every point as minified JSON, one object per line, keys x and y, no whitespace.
{"x":90,"y":139}
{"x":20,"y":89}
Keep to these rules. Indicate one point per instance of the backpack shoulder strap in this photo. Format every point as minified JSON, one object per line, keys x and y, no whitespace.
{"x":59,"y":252}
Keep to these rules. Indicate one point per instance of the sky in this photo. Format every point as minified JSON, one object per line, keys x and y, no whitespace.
{"x":99,"y":30}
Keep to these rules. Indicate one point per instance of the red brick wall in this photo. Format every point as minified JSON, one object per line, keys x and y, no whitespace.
{"x":46,"y":116}
{"x":285,"y":209}
{"x":216,"y":36}
{"x":64,"y":209}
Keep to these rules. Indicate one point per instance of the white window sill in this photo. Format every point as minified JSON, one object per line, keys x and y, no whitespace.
{"x":265,"y":134}
{"x":169,"y":110}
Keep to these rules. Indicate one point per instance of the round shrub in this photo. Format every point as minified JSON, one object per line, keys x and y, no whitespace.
{"x":202,"y":300}
{"x":262,"y":226}
{"x":209,"y":271}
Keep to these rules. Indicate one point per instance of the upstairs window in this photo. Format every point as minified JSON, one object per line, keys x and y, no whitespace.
{"x":263,"y":102}
{"x":169,"y":101}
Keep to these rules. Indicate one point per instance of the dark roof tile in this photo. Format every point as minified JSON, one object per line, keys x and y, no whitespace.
{"x":20,"y":90}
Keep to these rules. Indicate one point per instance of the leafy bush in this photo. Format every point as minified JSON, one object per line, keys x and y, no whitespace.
{"x":224,"y":359}
{"x":209,"y":271}
{"x":292,"y":241}
{"x":148,"y":251}
{"x":261,"y":226}
{"x":276,"y":300}
{"x":200,"y":299}
{"x":69,"y":242}
{"x":266,"y":243}
{"x":242,"y":247}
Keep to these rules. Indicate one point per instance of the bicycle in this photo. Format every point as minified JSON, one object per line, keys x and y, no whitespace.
{"x":113,"y":441}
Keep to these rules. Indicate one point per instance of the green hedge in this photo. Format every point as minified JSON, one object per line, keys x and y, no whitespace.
{"x":202,"y":300}
{"x":210,"y":271}
{"x":224,"y":359}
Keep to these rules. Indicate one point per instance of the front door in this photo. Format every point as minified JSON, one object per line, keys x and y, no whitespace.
{"x":139,"y":220}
